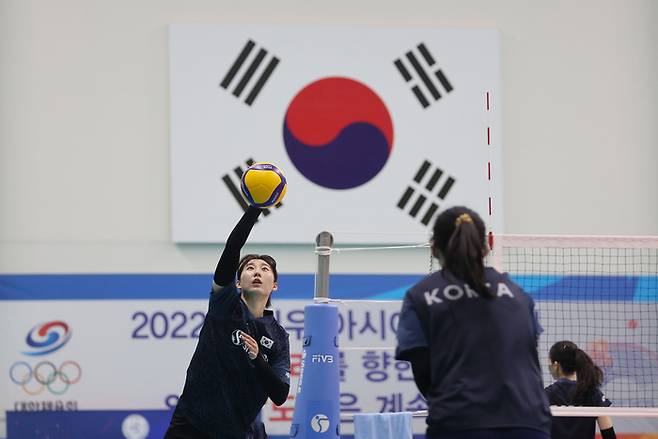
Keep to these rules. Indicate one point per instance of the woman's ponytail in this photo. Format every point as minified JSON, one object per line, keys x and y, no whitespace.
{"x":459,"y":239}
{"x":589,"y":377}
{"x":464,"y":255}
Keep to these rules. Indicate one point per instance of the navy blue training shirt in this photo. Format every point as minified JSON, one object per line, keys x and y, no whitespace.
{"x":223,"y":394}
{"x":561,"y":393}
{"x":484,"y":366}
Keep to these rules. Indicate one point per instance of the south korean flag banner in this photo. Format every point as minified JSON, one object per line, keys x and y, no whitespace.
{"x":377,"y":130}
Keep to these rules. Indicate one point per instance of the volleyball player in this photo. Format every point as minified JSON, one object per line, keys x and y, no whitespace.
{"x":578,"y":382}
{"x":470,"y":334}
{"x":242,"y":357}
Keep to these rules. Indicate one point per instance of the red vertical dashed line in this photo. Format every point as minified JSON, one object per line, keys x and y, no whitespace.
{"x":490,"y":235}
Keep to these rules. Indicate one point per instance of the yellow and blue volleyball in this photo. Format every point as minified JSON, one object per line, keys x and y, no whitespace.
{"x":263,"y":185}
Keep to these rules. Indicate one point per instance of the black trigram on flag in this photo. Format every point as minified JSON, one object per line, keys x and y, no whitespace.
{"x":428,"y":191}
{"x":242,"y":80}
{"x":431,"y":77}
{"x":234,"y":188}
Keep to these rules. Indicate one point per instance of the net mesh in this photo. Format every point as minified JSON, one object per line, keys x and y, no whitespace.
{"x":599,"y":292}
{"x":602,"y":294}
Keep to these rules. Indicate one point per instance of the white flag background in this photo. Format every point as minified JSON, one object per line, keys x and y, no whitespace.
{"x":412,"y":111}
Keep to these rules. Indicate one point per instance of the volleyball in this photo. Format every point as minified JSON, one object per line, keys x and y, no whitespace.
{"x":263,"y":185}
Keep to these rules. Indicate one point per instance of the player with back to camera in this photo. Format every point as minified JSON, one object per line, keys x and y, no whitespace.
{"x":578,"y":382}
{"x":471,"y":334}
{"x":243,"y":356}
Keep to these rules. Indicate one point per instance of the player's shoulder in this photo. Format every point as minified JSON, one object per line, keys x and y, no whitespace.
{"x":551,"y":388}
{"x":497,"y":278}
{"x":224,"y":296}
{"x":428,"y":282}
{"x":275,"y":328}
{"x":280,"y":330}
{"x":494,"y":276}
{"x":556,"y":394}
{"x":219,"y":290}
{"x":599,"y":399}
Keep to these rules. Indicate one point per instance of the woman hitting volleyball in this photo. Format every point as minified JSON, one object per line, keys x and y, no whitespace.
{"x":243,"y":356}
{"x":578,"y":381}
{"x":470,"y":334}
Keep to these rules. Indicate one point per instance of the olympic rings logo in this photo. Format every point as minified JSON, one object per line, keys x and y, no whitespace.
{"x":45,"y":375}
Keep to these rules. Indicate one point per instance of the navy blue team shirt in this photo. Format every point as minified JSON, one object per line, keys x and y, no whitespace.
{"x":561,"y":393}
{"x":222,"y":394}
{"x":484,"y":366}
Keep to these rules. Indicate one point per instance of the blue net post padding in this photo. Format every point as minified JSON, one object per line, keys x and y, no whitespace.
{"x":317,"y":404}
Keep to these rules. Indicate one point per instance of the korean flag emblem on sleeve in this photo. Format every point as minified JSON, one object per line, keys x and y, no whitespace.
{"x":266,"y":342}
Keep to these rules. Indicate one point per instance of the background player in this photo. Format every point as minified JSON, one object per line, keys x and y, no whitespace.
{"x":578,"y":381}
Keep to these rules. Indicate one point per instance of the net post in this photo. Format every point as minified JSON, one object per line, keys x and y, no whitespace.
{"x":324,"y":242}
{"x":317,"y":403}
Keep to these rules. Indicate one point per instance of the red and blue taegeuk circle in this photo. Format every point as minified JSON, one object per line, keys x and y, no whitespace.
{"x":338,"y":133}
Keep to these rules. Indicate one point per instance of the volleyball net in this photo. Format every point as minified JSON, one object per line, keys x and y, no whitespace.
{"x":602,"y":294}
{"x":599,"y":292}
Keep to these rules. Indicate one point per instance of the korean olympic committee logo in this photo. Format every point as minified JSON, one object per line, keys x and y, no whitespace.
{"x":46,"y":338}
{"x":35,"y":378}
{"x":338,"y":133}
